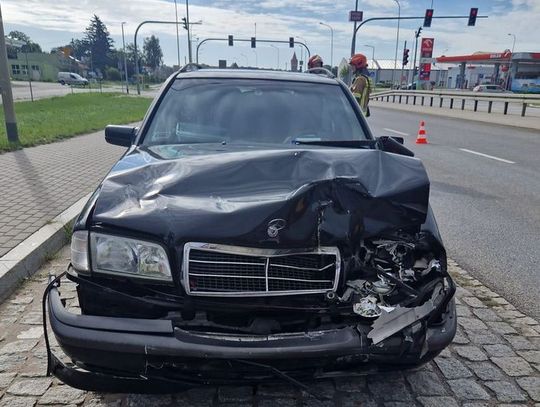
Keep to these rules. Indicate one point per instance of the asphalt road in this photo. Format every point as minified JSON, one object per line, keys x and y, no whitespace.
{"x":485,"y":191}
{"x":41,"y":90}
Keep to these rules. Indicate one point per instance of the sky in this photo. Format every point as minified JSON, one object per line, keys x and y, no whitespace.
{"x":55,"y":22}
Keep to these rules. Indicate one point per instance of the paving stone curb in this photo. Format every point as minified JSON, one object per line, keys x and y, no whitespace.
{"x":28,"y":256}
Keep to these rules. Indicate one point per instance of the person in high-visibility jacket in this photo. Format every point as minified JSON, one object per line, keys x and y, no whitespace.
{"x":361,"y":85}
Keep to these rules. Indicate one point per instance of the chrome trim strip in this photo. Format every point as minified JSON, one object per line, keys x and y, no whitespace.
{"x":302,"y":268}
{"x":226,"y":262}
{"x":268,"y":253}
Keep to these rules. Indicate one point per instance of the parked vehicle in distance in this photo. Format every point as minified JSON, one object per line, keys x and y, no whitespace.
{"x":490,"y":89}
{"x":254,"y":230}
{"x":71,"y":78}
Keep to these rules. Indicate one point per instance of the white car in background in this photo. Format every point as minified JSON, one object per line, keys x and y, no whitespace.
{"x":70,"y":78}
{"x":490,"y":89}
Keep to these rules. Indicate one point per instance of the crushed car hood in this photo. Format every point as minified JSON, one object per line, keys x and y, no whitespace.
{"x":241,"y":195}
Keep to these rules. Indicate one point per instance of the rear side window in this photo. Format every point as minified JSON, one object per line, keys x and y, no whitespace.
{"x":253,"y":111}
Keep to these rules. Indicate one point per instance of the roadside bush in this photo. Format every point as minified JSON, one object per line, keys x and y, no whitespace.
{"x":112,"y":74}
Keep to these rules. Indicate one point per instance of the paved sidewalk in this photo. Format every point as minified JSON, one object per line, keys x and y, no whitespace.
{"x":527,"y":122}
{"x":494,"y":360}
{"x":38,"y":183}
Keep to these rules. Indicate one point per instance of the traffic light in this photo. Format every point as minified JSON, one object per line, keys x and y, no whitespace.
{"x":185,"y":23}
{"x":417,"y":33}
{"x":231,"y":41}
{"x":405,"y":56}
{"x":291,"y":42}
{"x":428,"y":17}
{"x":253,"y":42}
{"x":472,"y":16}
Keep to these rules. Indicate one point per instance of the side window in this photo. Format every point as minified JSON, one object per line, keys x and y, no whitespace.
{"x":72,"y":76}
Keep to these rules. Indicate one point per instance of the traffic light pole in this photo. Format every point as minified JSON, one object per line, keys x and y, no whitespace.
{"x":416,"y":35}
{"x":246,"y":40}
{"x":136,"y":56}
{"x":353,"y":42}
{"x":402,"y":67}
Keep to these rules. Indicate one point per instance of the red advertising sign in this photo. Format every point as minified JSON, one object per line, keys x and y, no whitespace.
{"x":426,"y":51}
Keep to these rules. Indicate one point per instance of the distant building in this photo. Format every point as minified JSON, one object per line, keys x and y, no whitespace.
{"x":41,"y":66}
{"x":294,"y":63}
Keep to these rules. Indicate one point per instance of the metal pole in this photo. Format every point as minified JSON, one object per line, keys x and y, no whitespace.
{"x":372,"y":51}
{"x":277,"y":49}
{"x":416,"y":34}
{"x":353,"y":42}
{"x":331,"y":43}
{"x":177,"y":33}
{"x":125,"y":59}
{"x":402,"y":67}
{"x":5,"y":89}
{"x":397,"y":42}
{"x":188,"y":31}
{"x":28,"y":73}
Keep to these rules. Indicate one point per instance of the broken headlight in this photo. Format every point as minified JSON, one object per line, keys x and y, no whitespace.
{"x":129,"y":257}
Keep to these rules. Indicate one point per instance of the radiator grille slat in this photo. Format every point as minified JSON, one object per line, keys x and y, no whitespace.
{"x":237,"y":271}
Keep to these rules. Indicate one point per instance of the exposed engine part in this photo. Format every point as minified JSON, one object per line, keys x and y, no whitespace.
{"x":367,"y":307}
{"x":392,"y":272}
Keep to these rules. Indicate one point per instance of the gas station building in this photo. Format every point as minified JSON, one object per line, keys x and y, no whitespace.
{"x":518,"y":72}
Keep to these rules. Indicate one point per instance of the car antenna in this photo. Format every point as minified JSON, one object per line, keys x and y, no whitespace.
{"x":285,"y":377}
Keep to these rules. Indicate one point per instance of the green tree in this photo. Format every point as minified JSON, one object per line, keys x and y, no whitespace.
{"x":99,"y":43}
{"x":152,"y":54}
{"x":30,"y":46}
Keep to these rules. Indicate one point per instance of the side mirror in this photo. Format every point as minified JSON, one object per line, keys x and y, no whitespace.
{"x":393,"y":145}
{"x":120,"y":135}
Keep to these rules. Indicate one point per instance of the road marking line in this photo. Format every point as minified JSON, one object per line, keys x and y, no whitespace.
{"x":397,"y":132}
{"x":487,"y":156}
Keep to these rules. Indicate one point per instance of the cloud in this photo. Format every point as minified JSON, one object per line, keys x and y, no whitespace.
{"x":279,"y":19}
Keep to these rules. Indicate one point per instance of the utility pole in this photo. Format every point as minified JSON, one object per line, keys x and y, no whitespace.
{"x":353,"y":44}
{"x":416,"y":35}
{"x":125,"y":58}
{"x":397,"y":42}
{"x":402,"y":66}
{"x":188,"y":32}
{"x":177,"y":33}
{"x":5,"y":89}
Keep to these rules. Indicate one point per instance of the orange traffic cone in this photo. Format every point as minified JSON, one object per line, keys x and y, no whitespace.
{"x":421,"y":138}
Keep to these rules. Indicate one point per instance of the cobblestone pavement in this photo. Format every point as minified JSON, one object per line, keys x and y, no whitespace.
{"x":39,"y":183}
{"x":494,"y":360}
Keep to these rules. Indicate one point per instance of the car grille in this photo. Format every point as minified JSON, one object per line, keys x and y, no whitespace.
{"x":220,"y":270}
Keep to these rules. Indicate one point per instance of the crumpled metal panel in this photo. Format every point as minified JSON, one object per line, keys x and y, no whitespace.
{"x":229,"y":194}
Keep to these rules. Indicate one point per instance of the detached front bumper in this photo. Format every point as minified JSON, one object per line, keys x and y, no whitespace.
{"x":149,"y":355}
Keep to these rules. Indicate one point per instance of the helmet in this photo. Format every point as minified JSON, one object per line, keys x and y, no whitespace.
{"x":359,"y":61}
{"x":315,"y":62}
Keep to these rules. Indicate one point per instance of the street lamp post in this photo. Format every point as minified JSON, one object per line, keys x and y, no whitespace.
{"x":5,"y":90}
{"x":513,"y":42}
{"x":125,"y":58}
{"x":509,"y":68}
{"x":397,"y":42}
{"x":302,"y":52}
{"x":277,"y":49}
{"x":177,"y":33}
{"x":331,"y":43}
{"x":256,"y":58}
{"x":245,"y":56}
{"x":372,"y":51}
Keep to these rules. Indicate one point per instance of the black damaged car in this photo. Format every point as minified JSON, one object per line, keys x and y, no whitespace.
{"x":254,"y":230}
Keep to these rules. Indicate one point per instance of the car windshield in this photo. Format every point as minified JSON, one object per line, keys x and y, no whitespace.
{"x":253,"y":111}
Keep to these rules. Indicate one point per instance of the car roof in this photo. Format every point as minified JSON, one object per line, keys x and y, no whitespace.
{"x":257,"y":74}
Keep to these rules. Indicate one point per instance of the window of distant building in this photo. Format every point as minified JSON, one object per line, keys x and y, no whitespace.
{"x":15,"y":69}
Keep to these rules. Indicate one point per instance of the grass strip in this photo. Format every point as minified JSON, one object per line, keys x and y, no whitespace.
{"x":49,"y":120}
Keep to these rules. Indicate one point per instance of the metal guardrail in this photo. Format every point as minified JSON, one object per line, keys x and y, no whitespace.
{"x":403,"y":96}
